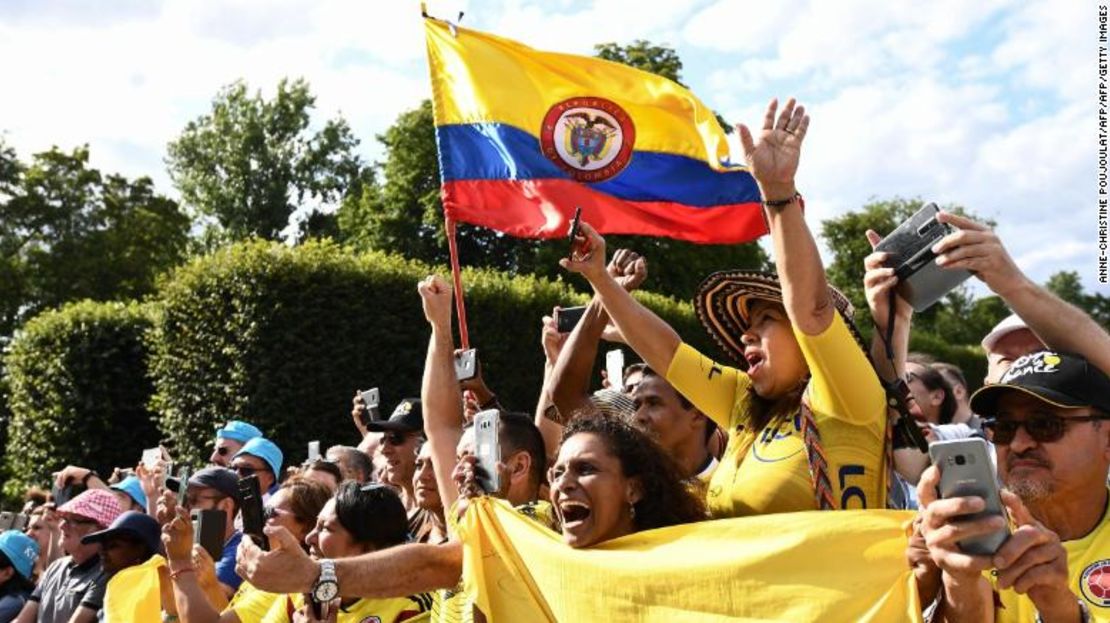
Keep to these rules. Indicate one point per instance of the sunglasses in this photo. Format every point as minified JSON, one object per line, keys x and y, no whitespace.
{"x":1042,"y":427}
{"x":245,"y":470}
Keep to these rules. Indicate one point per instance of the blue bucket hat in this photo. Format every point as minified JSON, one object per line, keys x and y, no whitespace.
{"x":132,"y":487}
{"x":266,"y":450}
{"x":21,"y":550}
{"x":238,"y":430}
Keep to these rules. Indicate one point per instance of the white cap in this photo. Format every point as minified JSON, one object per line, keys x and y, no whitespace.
{"x":1009,"y":324}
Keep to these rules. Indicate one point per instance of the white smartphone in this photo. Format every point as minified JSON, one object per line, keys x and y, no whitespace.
{"x":966,"y":470}
{"x":614,"y":368}
{"x":151,"y":456}
{"x":488,"y":448}
{"x":313,"y":451}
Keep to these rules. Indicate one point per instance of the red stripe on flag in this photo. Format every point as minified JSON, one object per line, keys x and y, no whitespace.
{"x":543,"y":209}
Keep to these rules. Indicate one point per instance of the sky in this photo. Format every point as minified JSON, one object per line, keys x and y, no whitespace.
{"x":988,"y":104}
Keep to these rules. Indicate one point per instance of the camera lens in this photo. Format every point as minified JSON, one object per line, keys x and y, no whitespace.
{"x":960,"y":460}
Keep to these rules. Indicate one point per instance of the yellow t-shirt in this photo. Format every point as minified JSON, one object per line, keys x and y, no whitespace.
{"x":134,"y":594}
{"x":766,"y":471}
{"x":251,"y":604}
{"x":1088,"y":578}
{"x":389,"y":610}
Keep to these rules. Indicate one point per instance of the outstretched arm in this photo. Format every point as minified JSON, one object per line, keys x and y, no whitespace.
{"x":649,"y":335}
{"x":1060,"y":325}
{"x":773,"y":161}
{"x":439,"y":391}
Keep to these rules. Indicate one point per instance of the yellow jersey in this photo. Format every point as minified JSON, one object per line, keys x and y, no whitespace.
{"x":388,"y":610}
{"x":766,"y":471}
{"x":251,"y":604}
{"x":1088,"y":578}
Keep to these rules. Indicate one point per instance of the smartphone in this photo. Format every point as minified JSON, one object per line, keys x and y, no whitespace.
{"x":64,"y":493}
{"x":567,"y":318}
{"x":151,"y":456}
{"x":313,"y":451}
{"x":372,"y":399}
{"x":250,"y":504}
{"x":466,"y":364}
{"x":920,"y":281}
{"x":208,"y":531}
{"x":572,"y":233}
{"x":966,"y":470}
{"x":614,"y":368}
{"x":182,"y":483}
{"x":6,"y":520}
{"x":488,"y":448}
{"x":20,"y":521}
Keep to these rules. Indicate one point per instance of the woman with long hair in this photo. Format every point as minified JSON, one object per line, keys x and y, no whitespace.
{"x":610,"y":480}
{"x":804,"y":409}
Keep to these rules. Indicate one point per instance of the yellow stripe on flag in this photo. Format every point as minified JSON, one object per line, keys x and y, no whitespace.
{"x":812,"y":566}
{"x":480,"y":78}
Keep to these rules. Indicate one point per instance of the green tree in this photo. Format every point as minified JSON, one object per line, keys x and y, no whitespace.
{"x":1068,"y":286}
{"x":251,"y":162}
{"x":69,"y":232}
{"x":405,"y":214}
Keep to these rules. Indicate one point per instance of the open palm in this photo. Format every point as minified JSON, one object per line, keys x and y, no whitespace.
{"x":773,"y":157}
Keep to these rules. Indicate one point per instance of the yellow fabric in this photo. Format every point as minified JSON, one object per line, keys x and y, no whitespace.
{"x":519,"y":85}
{"x":392,"y":610}
{"x":814,"y":566}
{"x":134,"y":594}
{"x":251,"y":604}
{"x":1088,"y":578}
{"x":766,"y":471}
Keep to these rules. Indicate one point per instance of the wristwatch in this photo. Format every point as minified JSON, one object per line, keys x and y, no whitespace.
{"x":327,"y":585}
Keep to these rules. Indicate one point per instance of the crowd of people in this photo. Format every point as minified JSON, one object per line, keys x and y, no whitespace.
{"x":800,"y":415}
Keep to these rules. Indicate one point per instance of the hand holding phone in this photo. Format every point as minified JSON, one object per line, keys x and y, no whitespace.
{"x":576,"y":251}
{"x":487,"y":448}
{"x":921,"y":282}
{"x":568,"y":317}
{"x":966,"y":470}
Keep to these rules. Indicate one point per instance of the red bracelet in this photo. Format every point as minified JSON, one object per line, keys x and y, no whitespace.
{"x":174,"y":574}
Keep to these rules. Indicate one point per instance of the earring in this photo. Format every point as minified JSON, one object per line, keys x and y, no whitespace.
{"x":632,"y":510}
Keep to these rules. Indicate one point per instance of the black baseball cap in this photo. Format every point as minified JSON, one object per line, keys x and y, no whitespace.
{"x":1060,"y":379}
{"x":221,"y":479}
{"x":132,"y":524}
{"x":408,"y":417}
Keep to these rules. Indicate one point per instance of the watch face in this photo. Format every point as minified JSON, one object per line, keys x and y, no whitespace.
{"x":325,"y":591}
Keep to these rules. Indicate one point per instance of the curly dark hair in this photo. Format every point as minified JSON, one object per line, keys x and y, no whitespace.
{"x":666,"y":500}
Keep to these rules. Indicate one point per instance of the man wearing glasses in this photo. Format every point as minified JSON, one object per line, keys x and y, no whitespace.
{"x":217,"y":488}
{"x":72,"y":588}
{"x":230,"y":439}
{"x":1046,"y":418}
{"x":402,"y":435}
{"x":260,"y":457}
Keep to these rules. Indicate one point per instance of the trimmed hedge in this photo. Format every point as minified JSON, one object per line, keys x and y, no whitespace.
{"x":283,"y":337}
{"x":78,"y":392}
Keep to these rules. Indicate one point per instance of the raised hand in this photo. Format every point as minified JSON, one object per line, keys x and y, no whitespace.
{"x":976,"y":248}
{"x":628,"y":268}
{"x":773,"y":156}
{"x":588,"y":257}
{"x":1034,"y":562}
{"x":436,"y":297}
{"x":550,"y":337}
{"x":878,"y":281}
{"x":286,"y":568}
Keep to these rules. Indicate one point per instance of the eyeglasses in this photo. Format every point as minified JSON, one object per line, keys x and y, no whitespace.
{"x":223,"y":450}
{"x":1042,"y":427}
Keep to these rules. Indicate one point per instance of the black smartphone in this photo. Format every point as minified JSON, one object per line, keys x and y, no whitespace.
{"x":208,"y":531}
{"x":466,"y":364}
{"x":372,"y":399}
{"x":920,"y":281}
{"x":567,"y":318}
{"x":572,"y":233}
{"x":966,"y":470}
{"x":250,"y":505}
{"x":487,"y":448}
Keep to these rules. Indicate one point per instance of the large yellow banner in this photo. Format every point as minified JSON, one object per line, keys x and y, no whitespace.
{"x":815,"y":566}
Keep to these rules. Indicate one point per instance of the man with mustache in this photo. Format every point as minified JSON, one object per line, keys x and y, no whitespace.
{"x":1046,"y":418}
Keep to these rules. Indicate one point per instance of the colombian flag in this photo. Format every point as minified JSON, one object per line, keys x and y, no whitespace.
{"x":526,"y":136}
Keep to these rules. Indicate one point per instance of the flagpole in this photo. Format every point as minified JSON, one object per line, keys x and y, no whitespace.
{"x":456,"y":276}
